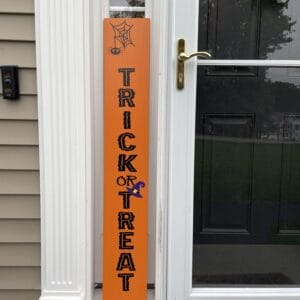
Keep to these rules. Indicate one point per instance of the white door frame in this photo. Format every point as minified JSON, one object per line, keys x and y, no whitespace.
{"x":69,"y":71}
{"x":184,"y":24}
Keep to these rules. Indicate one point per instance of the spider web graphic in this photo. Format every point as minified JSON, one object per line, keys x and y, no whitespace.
{"x":122,"y":37}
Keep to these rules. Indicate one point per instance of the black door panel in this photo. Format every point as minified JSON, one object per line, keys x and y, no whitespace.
{"x":247,"y":148}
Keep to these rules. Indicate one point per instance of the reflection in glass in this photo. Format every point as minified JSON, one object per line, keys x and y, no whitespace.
{"x":134,"y":4}
{"x":247,"y":148}
{"x":250,"y":29}
{"x":127,"y":2}
{"x":126,"y":14}
{"x":247,"y":174}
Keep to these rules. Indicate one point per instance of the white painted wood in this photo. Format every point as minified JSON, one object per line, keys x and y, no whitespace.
{"x":148,"y":8}
{"x":64,"y":63}
{"x":159,"y":125}
{"x":100,"y":11}
{"x":183,"y":24}
{"x":249,"y":63}
{"x":181,"y":128}
{"x":104,"y":7}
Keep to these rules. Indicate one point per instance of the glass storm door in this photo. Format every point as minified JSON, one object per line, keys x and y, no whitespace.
{"x":235,"y":152}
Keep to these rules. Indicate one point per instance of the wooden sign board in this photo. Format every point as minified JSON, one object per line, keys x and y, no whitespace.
{"x":126,"y":115}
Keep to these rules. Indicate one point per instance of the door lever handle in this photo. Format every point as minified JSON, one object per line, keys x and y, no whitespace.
{"x":182,"y":57}
{"x":202,"y":54}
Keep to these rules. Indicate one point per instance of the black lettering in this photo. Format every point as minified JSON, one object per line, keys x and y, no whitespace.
{"x":127,"y":120}
{"x":130,"y":179}
{"x":126,"y":95}
{"x":126,"y":163}
{"x":124,"y":240}
{"x":126,"y":199}
{"x":125,"y":280}
{"x":125,"y":262}
{"x":126,"y":220}
{"x":121,"y":181}
{"x":122,"y":144}
{"x":126,"y":75}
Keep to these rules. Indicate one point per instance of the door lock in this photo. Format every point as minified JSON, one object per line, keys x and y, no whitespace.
{"x":182,"y":57}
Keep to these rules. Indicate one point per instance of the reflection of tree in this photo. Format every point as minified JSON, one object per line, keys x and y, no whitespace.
{"x":139,"y":3}
{"x":276,"y":27}
{"x":254,"y":182}
{"x":270,"y":101}
{"x":248,"y":90}
{"x":136,"y":2}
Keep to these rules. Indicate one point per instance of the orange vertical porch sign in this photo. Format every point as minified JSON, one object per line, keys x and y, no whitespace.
{"x":126,"y":115}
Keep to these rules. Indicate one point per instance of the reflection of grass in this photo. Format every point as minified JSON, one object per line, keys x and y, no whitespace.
{"x":239,"y":169}
{"x":233,"y":174}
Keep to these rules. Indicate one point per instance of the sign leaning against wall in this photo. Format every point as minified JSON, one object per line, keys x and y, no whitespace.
{"x":126,"y":115}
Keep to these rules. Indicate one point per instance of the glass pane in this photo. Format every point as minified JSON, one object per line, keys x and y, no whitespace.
{"x":247,"y":174}
{"x":126,"y":14}
{"x":127,"y":2}
{"x":250,"y":29}
{"x":247,"y":147}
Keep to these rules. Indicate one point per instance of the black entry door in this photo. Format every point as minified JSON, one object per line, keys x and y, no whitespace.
{"x":247,"y":147}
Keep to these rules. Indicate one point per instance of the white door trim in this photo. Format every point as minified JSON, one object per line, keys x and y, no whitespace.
{"x":69,"y":63}
{"x":64,"y":67}
{"x":159,"y":134}
{"x":181,"y":131}
{"x":249,"y":63}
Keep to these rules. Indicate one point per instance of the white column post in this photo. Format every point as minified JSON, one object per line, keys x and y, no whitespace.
{"x":64,"y":60}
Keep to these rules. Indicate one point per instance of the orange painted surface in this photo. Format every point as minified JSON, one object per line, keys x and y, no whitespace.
{"x":126,"y":118}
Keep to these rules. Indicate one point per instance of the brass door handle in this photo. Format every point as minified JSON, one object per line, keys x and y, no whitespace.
{"x":202,"y":54}
{"x":182,"y":57}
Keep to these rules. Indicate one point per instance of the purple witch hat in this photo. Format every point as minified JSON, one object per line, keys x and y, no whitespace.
{"x":135,"y":190}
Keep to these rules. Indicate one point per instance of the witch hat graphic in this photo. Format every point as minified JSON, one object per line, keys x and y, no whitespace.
{"x":135,"y":190}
